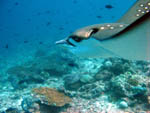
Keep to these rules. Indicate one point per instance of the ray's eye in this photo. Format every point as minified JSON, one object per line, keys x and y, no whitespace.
{"x":94,"y":30}
{"x":77,"y":39}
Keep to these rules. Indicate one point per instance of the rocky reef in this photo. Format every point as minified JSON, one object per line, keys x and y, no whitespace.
{"x":123,"y":82}
{"x":59,"y":81}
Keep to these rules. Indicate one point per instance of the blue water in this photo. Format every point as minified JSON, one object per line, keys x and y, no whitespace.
{"x":35,"y":21}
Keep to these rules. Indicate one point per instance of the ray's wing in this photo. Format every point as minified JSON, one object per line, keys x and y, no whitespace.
{"x":139,"y":9}
{"x":133,"y":42}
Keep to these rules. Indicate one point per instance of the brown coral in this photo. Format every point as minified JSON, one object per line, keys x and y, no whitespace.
{"x":52,"y":96}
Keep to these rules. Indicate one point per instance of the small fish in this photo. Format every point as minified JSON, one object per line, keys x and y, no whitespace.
{"x":48,"y":23}
{"x":99,"y":16}
{"x":47,"y":12}
{"x":26,"y":41}
{"x":41,"y":42}
{"x":109,"y":6}
{"x":128,"y":38}
{"x":6,"y":46}
{"x":16,"y":3}
{"x":75,"y":1}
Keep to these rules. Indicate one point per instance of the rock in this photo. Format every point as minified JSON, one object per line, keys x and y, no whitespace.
{"x":86,"y":78}
{"x":108,"y":63}
{"x":116,"y":65}
{"x":139,"y":90}
{"x":93,"y":90}
{"x":12,"y":110}
{"x":117,"y":85}
{"x":123,"y":104}
{"x":126,"y":85}
{"x":103,"y":75}
{"x":72,"y":81}
{"x":71,"y":78}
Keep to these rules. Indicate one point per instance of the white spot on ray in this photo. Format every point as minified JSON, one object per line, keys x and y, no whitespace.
{"x":102,"y":28}
{"x":146,"y":8}
{"x":108,"y":25}
{"x":121,"y":25}
{"x":111,"y":27}
{"x":141,"y":5}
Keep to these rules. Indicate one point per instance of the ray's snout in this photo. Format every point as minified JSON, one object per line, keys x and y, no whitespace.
{"x":78,"y":36}
{"x":65,"y":41}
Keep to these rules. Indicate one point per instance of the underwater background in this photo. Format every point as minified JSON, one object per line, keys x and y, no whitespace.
{"x":37,"y":76}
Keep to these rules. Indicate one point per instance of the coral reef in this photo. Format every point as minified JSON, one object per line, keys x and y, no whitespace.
{"x":72,"y":81}
{"x":128,"y":85}
{"x":90,"y":91}
{"x":21,"y":76}
{"x":85,"y":78}
{"x":120,"y":84}
{"x":124,"y":82}
{"x":103,"y":75}
{"x":12,"y":110}
{"x":117,"y":66}
{"x":123,"y":104}
{"x":40,"y":69}
{"x":51,"y":96}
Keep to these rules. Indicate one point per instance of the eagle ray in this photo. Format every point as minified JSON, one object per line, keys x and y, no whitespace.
{"x":128,"y":38}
